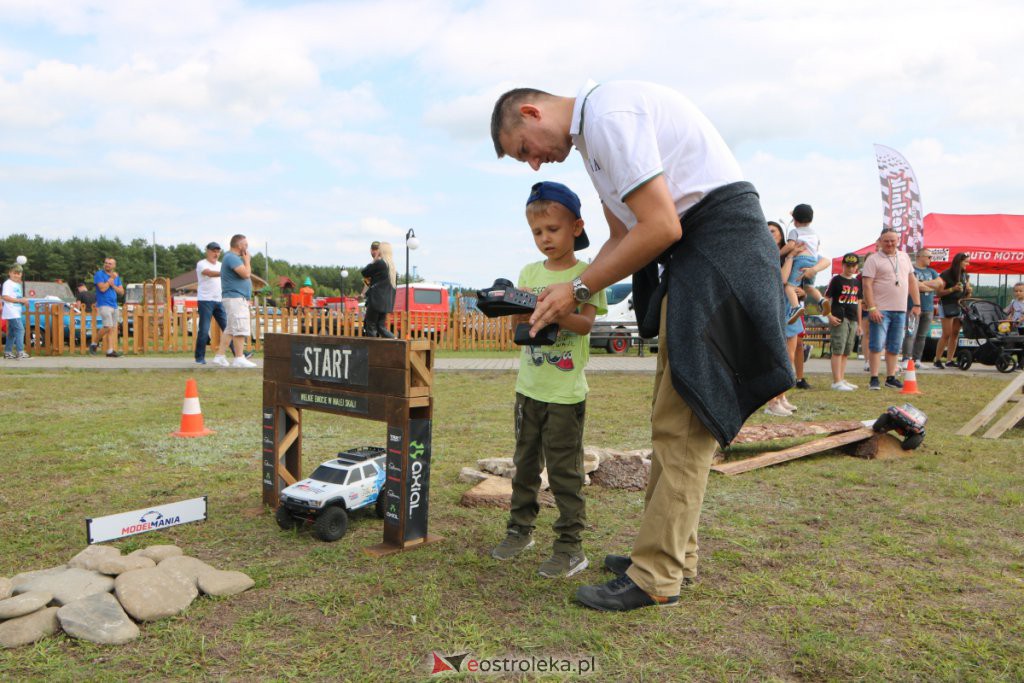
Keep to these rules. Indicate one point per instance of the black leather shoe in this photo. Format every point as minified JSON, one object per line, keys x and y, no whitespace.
{"x":620,"y":595}
{"x":617,"y":564}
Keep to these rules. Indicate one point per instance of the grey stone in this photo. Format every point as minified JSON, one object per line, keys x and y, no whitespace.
{"x":186,"y":567}
{"x":91,"y":557}
{"x":29,"y":628}
{"x":121,"y":564}
{"x":23,"y":604}
{"x":472,"y":476}
{"x":66,"y":585}
{"x":99,"y":619}
{"x":502,"y":467}
{"x":154,"y":593}
{"x":217,"y":582}
{"x":27,"y":577}
{"x":158,"y":553}
{"x":6,"y":588}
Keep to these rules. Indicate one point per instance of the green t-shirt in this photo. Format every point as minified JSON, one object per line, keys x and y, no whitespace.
{"x":554,"y":374}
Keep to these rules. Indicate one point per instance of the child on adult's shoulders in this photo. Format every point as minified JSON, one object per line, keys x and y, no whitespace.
{"x":551,"y":389}
{"x":804,"y":244}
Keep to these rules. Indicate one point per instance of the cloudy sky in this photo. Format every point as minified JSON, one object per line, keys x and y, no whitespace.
{"x":318,"y":126}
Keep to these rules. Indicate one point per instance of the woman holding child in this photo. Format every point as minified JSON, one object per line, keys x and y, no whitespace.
{"x":780,"y":405}
{"x":381,"y":282}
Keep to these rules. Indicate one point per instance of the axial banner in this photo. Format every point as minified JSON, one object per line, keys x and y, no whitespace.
{"x":901,"y":198}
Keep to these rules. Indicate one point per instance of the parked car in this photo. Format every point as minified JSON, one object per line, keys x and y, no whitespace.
{"x":40,"y":305}
{"x":617,"y":329}
{"x":429,"y":306}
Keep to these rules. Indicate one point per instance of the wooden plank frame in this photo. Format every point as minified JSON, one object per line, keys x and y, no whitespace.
{"x":1016,"y":413}
{"x":386,"y":380}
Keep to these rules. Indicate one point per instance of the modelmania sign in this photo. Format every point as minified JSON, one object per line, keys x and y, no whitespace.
{"x":113,"y":527}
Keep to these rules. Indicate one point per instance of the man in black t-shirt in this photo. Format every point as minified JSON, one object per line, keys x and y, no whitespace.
{"x":842,"y":306}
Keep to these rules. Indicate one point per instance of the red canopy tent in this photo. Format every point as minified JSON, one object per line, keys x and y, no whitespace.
{"x":995,"y":242}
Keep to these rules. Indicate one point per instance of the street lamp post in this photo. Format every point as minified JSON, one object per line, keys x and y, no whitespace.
{"x":410,"y":243}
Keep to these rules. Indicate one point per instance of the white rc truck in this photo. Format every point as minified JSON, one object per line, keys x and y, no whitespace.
{"x":354,"y":480}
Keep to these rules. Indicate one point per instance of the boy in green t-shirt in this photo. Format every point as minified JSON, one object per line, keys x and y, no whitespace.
{"x":551,"y":390}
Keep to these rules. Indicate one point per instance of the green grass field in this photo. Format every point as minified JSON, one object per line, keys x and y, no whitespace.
{"x":826,"y":568}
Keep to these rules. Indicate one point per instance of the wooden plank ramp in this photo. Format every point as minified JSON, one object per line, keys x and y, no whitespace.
{"x":989,"y":411}
{"x":785,"y":455}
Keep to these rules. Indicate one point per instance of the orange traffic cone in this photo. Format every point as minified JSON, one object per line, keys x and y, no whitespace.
{"x":910,"y":379}
{"x":191,"y":414}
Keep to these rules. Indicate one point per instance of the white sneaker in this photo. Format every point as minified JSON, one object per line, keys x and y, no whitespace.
{"x":784,"y":402}
{"x":221,"y":361}
{"x":777,"y":410}
{"x":841,"y":386}
{"x":849,"y":384}
{"x":242,"y":362}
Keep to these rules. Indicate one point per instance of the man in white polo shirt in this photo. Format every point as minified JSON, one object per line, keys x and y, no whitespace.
{"x":672,"y":194}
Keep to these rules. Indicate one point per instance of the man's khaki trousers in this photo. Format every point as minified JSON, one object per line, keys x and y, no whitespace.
{"x":665,"y":550}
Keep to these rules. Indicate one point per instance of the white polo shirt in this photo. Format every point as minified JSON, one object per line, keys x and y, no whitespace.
{"x":630,"y":132}
{"x":208,"y":288}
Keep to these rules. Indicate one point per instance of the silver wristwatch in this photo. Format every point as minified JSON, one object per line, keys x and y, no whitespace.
{"x":580,"y":291}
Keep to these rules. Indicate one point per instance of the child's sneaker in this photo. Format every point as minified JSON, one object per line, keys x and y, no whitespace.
{"x":893,"y":383}
{"x":874,"y":385}
{"x":849,"y":385}
{"x":795,"y":314}
{"x":9,"y":356}
{"x":23,"y":356}
{"x":841,"y":386}
{"x":513,"y":544}
{"x":562,"y":564}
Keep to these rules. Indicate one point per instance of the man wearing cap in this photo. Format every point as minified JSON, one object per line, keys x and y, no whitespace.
{"x":209,"y":297}
{"x":672,"y":193}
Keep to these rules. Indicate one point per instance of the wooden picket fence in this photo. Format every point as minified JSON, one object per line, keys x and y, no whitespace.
{"x":160,"y":329}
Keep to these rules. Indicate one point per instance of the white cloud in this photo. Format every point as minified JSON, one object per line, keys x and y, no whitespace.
{"x":314,"y":123}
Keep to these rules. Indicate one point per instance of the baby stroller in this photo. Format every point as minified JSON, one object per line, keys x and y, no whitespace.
{"x":981,"y":322}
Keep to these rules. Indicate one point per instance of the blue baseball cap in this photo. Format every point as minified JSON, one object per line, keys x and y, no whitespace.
{"x":557,"y":192}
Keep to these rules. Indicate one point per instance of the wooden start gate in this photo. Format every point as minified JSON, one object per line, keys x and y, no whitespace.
{"x":389,"y":380}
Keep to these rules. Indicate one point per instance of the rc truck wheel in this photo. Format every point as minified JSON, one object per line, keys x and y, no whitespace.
{"x":883,"y":423}
{"x":1005,"y":363}
{"x":618,"y":343}
{"x":284,"y":519}
{"x":964,"y":358}
{"x":331,"y":524}
{"x":912,"y":442}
